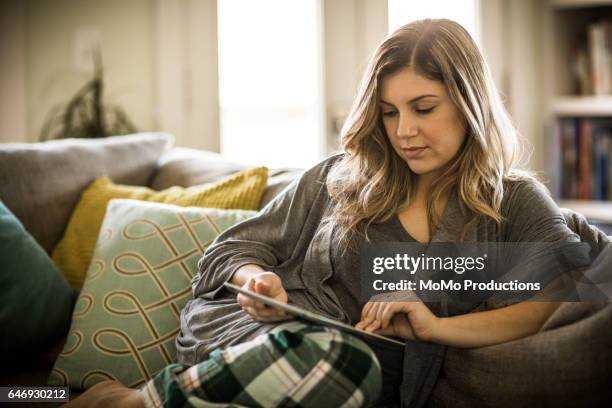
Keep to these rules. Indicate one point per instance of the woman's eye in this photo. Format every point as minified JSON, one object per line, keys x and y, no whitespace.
{"x":424,"y":111}
{"x":389,"y":114}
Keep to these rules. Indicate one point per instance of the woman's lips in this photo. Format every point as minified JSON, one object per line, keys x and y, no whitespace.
{"x":412,"y":152}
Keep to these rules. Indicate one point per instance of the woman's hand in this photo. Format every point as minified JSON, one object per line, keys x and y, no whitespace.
{"x":268,"y":284}
{"x":408,"y":320}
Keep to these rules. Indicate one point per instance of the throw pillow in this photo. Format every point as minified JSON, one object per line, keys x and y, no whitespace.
{"x":36,"y":299}
{"x":127,"y":316}
{"x":73,"y":254}
{"x":48,"y":178}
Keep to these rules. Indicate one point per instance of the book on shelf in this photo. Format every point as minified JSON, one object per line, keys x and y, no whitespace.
{"x":583,"y":169}
{"x":591,"y":59}
{"x":585,"y":166}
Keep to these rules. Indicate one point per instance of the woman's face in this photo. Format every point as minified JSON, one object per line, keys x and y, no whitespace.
{"x":422,"y":123}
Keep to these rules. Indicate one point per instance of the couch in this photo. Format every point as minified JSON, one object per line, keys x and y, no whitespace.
{"x":569,"y":363}
{"x":41,"y":184}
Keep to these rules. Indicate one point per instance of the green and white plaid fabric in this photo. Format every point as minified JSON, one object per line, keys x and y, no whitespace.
{"x":295,"y":365}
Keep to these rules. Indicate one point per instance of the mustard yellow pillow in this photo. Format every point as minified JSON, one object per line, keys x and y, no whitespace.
{"x":73,"y":254}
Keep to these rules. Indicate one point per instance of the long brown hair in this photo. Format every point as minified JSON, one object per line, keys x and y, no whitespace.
{"x":371,"y":182}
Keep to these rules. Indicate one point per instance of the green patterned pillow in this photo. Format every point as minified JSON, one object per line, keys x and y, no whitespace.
{"x":127,"y":315}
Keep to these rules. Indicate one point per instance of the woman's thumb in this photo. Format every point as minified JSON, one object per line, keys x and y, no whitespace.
{"x":261,"y":287}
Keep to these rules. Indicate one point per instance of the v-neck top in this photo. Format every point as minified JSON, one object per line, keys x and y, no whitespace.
{"x":345,"y":280}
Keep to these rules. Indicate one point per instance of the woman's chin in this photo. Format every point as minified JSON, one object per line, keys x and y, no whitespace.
{"x":419,"y":169}
{"x":424,"y":170}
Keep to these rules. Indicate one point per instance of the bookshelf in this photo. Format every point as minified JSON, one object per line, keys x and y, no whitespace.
{"x":598,"y":211}
{"x":567,"y":4}
{"x":580,"y":106}
{"x":577,"y":82}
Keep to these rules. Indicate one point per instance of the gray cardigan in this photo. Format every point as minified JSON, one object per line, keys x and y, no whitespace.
{"x":286,"y":237}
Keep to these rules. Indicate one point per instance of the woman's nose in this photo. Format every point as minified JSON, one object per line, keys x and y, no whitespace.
{"x":406,"y":127}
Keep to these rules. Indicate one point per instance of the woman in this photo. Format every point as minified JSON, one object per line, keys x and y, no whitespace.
{"x":429,"y":156}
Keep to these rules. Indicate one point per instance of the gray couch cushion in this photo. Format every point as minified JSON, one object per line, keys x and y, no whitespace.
{"x":189,"y":167}
{"x":41,"y":182}
{"x":567,"y":364}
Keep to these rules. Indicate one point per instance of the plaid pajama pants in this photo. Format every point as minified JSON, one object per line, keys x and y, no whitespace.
{"x":294,"y":365}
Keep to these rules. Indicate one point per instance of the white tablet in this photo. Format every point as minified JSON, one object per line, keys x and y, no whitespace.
{"x":310,"y":316}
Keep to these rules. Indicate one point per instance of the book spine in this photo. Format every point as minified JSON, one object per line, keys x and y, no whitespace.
{"x":608,"y":136}
{"x":609,"y":49}
{"x":604,"y":163}
{"x":593,"y":58}
{"x":568,"y":172}
{"x":584,"y":161}
{"x":605,"y":58}
{"x":556,"y":154}
{"x":597,"y":156}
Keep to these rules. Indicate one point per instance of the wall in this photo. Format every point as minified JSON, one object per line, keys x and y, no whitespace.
{"x":187,"y":72}
{"x":12,"y":73}
{"x":352,"y":30}
{"x":512,"y":44}
{"x":526,"y":87}
{"x":126,"y":34}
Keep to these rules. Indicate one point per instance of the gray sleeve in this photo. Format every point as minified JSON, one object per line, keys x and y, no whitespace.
{"x":532,"y":216}
{"x":268,"y":239}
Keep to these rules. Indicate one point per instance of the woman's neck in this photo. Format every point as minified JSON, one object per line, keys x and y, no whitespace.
{"x":424,"y":186}
{"x":424,"y":189}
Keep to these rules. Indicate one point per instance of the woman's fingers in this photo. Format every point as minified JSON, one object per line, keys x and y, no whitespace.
{"x":380,"y":313}
{"x":267,"y":284}
{"x":389,"y":311}
{"x":378,"y":316}
{"x":366,"y":318}
{"x":246,"y":301}
{"x":375,"y":325}
{"x":389,"y":318}
{"x":388,"y":331}
{"x":366,"y":309}
{"x":386,"y":316}
{"x":368,"y":315}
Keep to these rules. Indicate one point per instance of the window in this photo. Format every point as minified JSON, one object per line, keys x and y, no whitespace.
{"x":465,"y":12}
{"x":270,"y":82}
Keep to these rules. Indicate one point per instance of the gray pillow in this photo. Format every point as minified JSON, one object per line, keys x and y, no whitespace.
{"x":189,"y":167}
{"x":41,"y":182}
